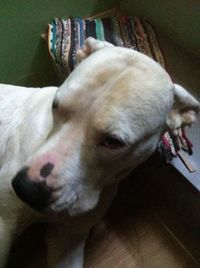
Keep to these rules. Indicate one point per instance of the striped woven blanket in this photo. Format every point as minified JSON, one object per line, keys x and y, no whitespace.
{"x":65,"y":37}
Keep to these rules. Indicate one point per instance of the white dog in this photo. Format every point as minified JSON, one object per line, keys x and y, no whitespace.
{"x":64,"y":150}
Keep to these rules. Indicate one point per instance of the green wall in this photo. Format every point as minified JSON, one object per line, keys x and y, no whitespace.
{"x":24,"y":59}
{"x":179,"y":19}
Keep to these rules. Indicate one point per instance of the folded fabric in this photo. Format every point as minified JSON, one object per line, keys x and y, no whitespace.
{"x":65,"y":37}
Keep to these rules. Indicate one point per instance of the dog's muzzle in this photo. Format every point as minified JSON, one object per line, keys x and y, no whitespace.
{"x":36,"y":194}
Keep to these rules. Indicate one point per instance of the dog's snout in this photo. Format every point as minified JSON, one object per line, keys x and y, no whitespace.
{"x":35,"y":194}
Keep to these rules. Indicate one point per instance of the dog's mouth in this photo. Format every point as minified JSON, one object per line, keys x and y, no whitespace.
{"x":47,"y":194}
{"x":48,"y":200}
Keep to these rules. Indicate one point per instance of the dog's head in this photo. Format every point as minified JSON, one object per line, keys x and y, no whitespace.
{"x":107,"y":118}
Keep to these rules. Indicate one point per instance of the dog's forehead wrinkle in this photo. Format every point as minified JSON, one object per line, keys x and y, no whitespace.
{"x":80,"y":99}
{"x":86,"y":93}
{"x":85,"y":71}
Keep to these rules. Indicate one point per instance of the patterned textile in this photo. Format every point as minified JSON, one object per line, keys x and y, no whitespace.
{"x":66,"y":36}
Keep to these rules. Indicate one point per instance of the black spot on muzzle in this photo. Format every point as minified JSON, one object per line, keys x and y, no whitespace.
{"x":45,"y":171}
{"x":35,"y":194}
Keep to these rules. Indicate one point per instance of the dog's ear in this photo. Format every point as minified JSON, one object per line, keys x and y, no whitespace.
{"x":90,"y":45}
{"x":184,"y":110}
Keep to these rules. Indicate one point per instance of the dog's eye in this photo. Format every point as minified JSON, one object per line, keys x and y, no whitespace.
{"x":112,"y":143}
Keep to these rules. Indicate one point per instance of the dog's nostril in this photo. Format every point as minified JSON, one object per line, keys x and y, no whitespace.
{"x":45,"y":171}
{"x":36,"y":194}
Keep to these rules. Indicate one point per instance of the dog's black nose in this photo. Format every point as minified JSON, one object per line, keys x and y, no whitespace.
{"x":35,"y":194}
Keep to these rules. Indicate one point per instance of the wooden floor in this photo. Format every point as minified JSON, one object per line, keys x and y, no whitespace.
{"x":138,"y":231}
{"x":139,"y":239}
{"x":139,"y":243}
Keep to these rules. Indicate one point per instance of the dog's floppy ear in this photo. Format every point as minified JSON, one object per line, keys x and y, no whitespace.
{"x":184,"y":110}
{"x":91,"y":45}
